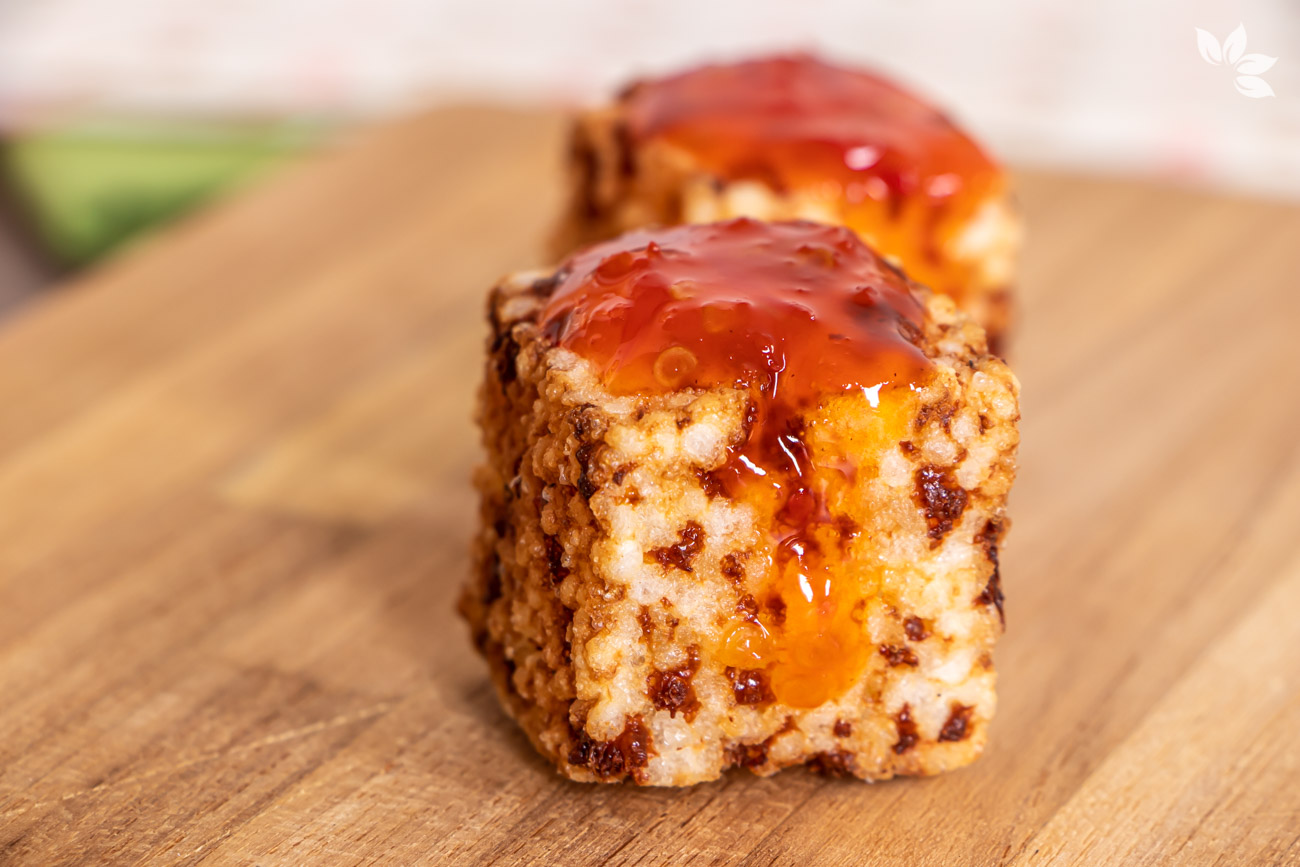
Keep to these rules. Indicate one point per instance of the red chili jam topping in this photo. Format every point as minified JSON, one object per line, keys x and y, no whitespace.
{"x":899,"y":172}
{"x":803,"y":316}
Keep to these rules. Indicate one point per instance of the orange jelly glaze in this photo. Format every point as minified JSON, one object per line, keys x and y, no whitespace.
{"x":796,"y":313}
{"x":896,"y":169}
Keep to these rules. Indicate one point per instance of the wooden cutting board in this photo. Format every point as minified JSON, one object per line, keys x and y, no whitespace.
{"x":234,"y":512}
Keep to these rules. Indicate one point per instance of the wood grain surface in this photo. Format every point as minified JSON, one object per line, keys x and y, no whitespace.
{"x":234,"y":509}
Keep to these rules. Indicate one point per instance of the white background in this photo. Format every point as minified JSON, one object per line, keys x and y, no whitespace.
{"x":1099,"y":85}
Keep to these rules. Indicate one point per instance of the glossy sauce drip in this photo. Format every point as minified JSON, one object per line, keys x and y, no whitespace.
{"x":798,"y":314}
{"x":900,"y":173}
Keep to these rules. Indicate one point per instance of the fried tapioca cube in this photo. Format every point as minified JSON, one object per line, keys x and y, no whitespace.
{"x":795,"y":137}
{"x":679,"y":573}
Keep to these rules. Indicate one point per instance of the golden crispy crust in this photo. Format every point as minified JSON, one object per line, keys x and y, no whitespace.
{"x":606,"y":565}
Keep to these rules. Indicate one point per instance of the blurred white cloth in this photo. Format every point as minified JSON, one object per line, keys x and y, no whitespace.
{"x":1110,"y":85}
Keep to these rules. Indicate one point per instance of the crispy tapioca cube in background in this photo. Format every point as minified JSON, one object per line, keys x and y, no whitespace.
{"x":742,"y":502}
{"x":795,"y":137}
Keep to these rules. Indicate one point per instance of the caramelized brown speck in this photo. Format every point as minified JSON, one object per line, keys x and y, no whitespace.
{"x":989,"y":537}
{"x":690,"y":541}
{"x":749,"y":686}
{"x":957,"y":726}
{"x":672,"y":691}
{"x":833,"y":764}
{"x":915,"y":629}
{"x":712,"y":486}
{"x":732,"y":568}
{"x":942,"y":499}
{"x":907,"y":736}
{"x":898,"y":655}
{"x":645,"y":620}
{"x":586,"y":486}
{"x":627,"y":753}
{"x":747,"y":755}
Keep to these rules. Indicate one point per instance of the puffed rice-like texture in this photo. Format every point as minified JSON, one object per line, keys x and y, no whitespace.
{"x":604,"y":650}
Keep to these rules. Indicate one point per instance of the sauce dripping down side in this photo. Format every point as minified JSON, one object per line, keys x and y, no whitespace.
{"x":798,"y":314}
{"x":898,"y":170}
